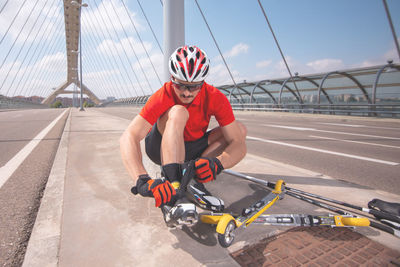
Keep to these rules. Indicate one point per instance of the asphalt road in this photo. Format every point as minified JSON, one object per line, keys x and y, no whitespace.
{"x":364,"y":151}
{"x":21,"y":193}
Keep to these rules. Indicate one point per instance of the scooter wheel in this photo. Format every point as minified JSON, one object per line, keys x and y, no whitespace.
{"x":226,"y":239}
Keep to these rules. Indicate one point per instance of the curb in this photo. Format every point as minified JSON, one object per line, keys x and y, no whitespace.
{"x":44,"y":242}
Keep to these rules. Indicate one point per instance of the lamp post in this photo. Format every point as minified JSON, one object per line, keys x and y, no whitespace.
{"x":75,"y":3}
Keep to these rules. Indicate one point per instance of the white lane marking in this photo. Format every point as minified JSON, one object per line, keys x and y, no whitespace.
{"x":359,"y":126}
{"x":324,"y":131}
{"x":324,"y":151}
{"x":342,"y":124}
{"x":351,"y":141}
{"x":9,"y":168}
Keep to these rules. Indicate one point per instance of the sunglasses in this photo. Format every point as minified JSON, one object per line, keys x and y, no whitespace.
{"x":183,"y":87}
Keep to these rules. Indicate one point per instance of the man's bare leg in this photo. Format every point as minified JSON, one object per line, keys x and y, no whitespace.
{"x":171,"y":126}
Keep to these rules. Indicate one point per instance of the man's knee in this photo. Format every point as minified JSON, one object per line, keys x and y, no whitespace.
{"x":178,"y":113}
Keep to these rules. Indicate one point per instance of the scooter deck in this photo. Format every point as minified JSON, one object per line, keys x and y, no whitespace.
{"x":248,"y":214}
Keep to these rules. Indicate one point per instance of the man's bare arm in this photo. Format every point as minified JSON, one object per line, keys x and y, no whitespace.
{"x":236,"y":149}
{"x":130,"y":146}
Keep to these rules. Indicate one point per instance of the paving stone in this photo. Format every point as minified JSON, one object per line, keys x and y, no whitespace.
{"x":291,"y":262}
{"x":344,"y":251}
{"x":322,"y":263}
{"x":317,"y":246}
{"x":301,"y":259}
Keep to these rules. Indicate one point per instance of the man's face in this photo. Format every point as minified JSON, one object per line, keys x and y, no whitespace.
{"x":186,"y":91}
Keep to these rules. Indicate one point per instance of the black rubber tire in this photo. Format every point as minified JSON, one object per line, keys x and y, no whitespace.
{"x":226,"y":239}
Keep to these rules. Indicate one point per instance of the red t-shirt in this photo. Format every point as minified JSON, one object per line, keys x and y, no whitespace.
{"x":208,"y":102}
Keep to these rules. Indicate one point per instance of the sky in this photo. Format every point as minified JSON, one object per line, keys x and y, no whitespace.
{"x":315,"y":36}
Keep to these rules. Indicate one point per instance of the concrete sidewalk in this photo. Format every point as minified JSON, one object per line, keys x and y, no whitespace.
{"x":88,"y":217}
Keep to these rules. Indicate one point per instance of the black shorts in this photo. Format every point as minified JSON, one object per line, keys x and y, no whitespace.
{"x":193,"y":149}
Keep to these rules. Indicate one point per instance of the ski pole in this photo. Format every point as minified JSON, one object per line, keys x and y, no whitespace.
{"x":382,"y":227}
{"x":374,"y":212}
{"x":373,"y":224}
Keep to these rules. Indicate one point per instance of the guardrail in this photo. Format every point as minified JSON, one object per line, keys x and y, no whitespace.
{"x":7,"y":103}
{"x":372,"y":110}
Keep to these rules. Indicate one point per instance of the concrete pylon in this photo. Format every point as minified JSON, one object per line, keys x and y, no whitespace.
{"x":61,"y":90}
{"x":72,"y":30}
{"x":174,"y":30}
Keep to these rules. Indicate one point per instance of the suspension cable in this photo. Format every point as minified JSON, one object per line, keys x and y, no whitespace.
{"x":52,"y":77}
{"x":127,"y":74}
{"x":12,"y":22}
{"x":123,"y":49}
{"x":29,"y":49}
{"x":113,"y":61}
{"x":43,"y":75}
{"x":216,"y":44}
{"x":100,"y":63}
{"x":151,"y":28}
{"x":41,"y":55}
{"x":141,"y":42}
{"x":115,"y":48}
{"x":280,"y":50}
{"x":98,"y":78}
{"x":42,"y":48}
{"x":392,"y":27}
{"x":4,"y":6}
{"x":12,"y":46}
{"x":34,"y":52}
{"x":103,"y":65}
{"x":127,"y":38}
{"x":40,"y":75}
{"x":23,"y":45}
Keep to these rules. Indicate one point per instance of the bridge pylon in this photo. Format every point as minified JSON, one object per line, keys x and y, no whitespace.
{"x":72,"y":29}
{"x":61,"y":90}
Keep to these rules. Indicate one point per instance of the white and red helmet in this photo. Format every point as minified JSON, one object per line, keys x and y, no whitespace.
{"x":189,"y":63}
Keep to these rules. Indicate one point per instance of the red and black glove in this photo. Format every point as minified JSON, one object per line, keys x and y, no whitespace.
{"x":161,"y":190}
{"x":207,"y":169}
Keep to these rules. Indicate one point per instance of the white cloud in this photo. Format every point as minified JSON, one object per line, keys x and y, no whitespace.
{"x":131,"y":47}
{"x":325,"y":65}
{"x":237,"y":50}
{"x":263,"y":64}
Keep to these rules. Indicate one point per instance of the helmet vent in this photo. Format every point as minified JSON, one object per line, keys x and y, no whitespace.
{"x":191,"y":67}
{"x":183,"y":73}
{"x":197,"y":74}
{"x":173,"y":67}
{"x":205,"y":72}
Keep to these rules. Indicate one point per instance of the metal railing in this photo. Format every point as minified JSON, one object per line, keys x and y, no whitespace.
{"x":372,"y":110}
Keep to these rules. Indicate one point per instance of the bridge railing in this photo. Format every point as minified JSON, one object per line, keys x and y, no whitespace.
{"x":376,"y":110}
{"x":11,"y":103}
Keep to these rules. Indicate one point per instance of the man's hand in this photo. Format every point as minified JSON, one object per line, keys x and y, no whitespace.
{"x":207,"y":169}
{"x":161,"y":190}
